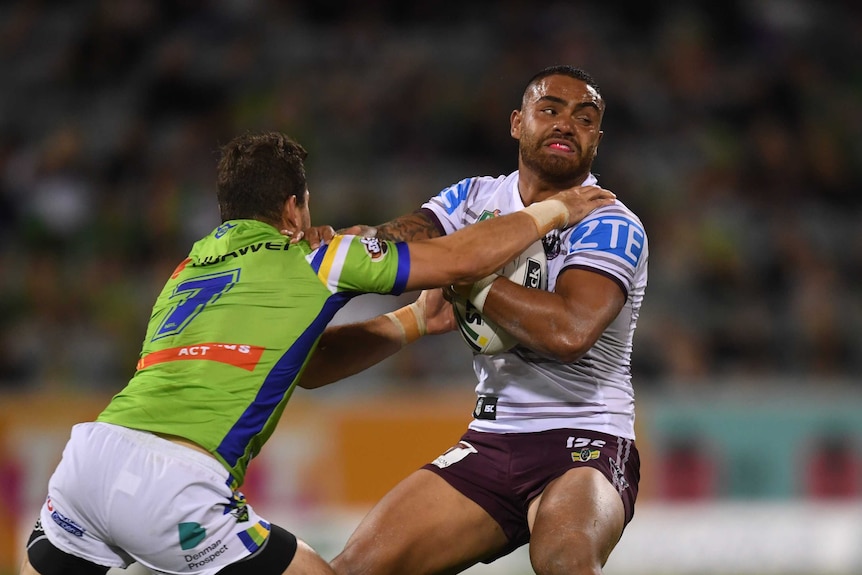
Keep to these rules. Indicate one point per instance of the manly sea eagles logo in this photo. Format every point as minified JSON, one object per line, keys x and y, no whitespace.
{"x":552,"y":244}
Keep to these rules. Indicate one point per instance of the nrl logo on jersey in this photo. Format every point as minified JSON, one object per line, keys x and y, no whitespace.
{"x":375,"y":248}
{"x":488,"y":214}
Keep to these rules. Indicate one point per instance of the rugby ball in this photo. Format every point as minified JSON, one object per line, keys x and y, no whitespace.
{"x":530,"y":269}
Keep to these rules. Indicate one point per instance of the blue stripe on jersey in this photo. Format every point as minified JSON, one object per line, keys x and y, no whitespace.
{"x":403,"y":268}
{"x":454,"y":196}
{"x":278,"y":384}
{"x":616,"y":234}
{"x":317,"y":260}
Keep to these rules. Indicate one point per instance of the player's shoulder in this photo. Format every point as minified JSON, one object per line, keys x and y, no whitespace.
{"x":613,"y":229}
{"x":471,"y":190}
{"x":615,"y":210}
{"x":500,"y":181}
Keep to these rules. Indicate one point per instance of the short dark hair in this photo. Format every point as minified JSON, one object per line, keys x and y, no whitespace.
{"x":257,"y":173}
{"x":564,"y":70}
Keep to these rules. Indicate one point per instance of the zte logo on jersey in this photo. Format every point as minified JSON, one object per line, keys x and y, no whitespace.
{"x":375,"y":248}
{"x":615,"y":234}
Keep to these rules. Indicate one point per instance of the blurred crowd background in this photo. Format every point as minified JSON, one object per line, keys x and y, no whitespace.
{"x":732,"y":128}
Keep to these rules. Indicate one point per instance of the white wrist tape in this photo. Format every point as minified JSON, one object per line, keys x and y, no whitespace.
{"x":548,"y":215}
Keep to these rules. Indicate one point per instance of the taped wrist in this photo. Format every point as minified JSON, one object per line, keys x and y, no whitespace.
{"x":548,"y":215}
{"x":410,"y":321}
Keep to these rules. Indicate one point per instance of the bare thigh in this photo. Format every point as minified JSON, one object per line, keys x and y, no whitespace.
{"x":575,"y":523}
{"x":423,"y":526}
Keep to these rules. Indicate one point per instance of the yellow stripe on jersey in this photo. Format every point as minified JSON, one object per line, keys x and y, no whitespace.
{"x":329,"y":259}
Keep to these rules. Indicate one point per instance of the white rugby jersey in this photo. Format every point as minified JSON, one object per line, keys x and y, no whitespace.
{"x":522,"y":391}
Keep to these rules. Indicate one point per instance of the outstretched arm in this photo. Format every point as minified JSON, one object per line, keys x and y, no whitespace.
{"x":407,"y":228}
{"x":466,"y":256}
{"x":348,"y":349}
{"x":473,"y":252}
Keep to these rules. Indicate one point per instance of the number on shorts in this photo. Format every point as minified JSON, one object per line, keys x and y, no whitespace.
{"x":581,"y":442}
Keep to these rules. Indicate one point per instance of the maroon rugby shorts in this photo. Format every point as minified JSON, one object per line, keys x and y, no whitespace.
{"x":503,"y":472}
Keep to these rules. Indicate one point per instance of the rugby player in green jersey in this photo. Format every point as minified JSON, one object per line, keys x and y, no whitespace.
{"x":156,"y":478}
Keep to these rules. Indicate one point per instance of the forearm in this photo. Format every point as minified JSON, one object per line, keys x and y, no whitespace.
{"x":408,"y":228}
{"x":538,"y":319}
{"x":348,"y":349}
{"x":563,"y":324}
{"x":475,"y":251}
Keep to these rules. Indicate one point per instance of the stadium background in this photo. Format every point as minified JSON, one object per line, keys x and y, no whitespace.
{"x":733,"y":130}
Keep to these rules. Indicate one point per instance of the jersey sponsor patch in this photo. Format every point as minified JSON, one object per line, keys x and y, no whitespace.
{"x":207,"y":555}
{"x":191,"y":534}
{"x":239,"y":355}
{"x":585,"y":455}
{"x":615,"y":234}
{"x":69,"y":525}
{"x":486,"y":407}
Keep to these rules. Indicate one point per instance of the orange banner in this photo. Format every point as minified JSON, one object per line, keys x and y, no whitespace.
{"x":239,"y":355}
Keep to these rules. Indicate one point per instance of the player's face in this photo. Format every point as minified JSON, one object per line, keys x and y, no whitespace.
{"x":558,"y":129}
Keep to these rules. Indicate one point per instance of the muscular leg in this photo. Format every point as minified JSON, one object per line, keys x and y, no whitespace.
{"x":575,"y":524}
{"x":423,"y":526}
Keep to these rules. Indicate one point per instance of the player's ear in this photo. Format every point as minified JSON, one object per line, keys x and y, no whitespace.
{"x":515,"y":124}
{"x":596,"y":149}
{"x":290,"y":216}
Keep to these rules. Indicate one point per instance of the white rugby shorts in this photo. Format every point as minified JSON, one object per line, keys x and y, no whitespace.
{"x":120,"y":495}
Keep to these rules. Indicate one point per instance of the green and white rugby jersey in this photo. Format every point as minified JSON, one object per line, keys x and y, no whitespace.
{"x":233,"y":328}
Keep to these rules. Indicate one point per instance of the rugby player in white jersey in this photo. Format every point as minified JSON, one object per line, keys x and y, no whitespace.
{"x":550,"y":458}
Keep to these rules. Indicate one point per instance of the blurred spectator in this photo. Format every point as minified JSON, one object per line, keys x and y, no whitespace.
{"x":833,"y":467}
{"x":688,"y":470}
{"x":735,"y":134}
